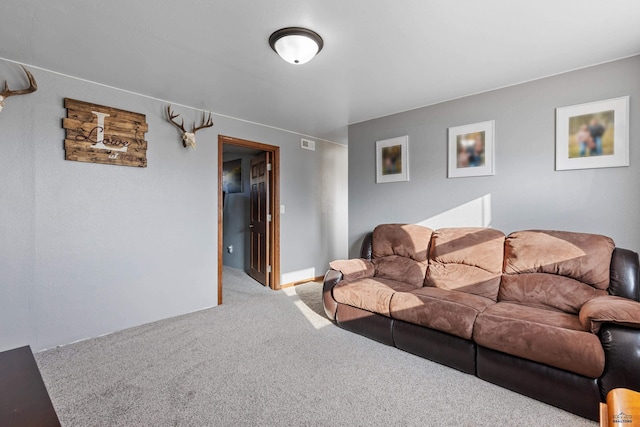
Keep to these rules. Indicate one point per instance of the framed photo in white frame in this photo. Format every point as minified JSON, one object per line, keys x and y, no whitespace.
{"x":392,"y":159}
{"x":471,"y":150}
{"x":593,"y":135}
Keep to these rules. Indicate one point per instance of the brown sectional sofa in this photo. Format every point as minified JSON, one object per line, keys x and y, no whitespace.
{"x":550,"y":314}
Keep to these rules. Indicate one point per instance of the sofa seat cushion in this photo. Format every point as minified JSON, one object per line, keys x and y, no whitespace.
{"x":447,"y":311}
{"x":371,"y":293}
{"x":467,"y":259}
{"x":543,"y":335}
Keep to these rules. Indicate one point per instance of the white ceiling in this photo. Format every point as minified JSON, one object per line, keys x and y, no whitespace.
{"x":379,"y":56}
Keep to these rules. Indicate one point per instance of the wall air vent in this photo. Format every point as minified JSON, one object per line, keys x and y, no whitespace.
{"x":308,"y":144}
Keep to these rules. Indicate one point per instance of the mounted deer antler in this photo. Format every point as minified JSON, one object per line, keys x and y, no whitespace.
{"x":7,"y":93}
{"x":189,"y":138}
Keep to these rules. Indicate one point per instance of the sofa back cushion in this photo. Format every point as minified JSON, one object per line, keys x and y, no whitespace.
{"x":557,"y":269}
{"x":401,"y":269}
{"x":400,"y":252}
{"x":406,"y":240}
{"x":467,"y":260}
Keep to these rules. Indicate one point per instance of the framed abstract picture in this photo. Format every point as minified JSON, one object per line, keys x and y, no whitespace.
{"x":471,"y":150}
{"x":593,"y":135}
{"x":392,"y":159}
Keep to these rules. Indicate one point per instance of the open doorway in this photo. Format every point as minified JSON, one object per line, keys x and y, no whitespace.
{"x":263,"y":220}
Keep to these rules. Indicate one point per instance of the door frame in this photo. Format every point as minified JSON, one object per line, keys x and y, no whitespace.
{"x":274,"y":201}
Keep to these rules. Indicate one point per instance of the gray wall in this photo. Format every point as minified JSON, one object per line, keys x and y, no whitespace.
{"x":526,"y":192}
{"x":88,"y":249}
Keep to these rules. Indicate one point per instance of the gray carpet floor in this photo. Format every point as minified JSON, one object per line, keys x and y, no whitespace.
{"x":267,"y":358}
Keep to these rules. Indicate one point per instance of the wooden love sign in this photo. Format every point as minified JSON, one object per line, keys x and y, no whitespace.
{"x":100,"y":134}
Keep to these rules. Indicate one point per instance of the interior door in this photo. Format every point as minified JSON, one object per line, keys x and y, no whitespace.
{"x":259,"y":218}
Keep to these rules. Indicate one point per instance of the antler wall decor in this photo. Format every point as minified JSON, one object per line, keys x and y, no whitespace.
{"x":7,"y":93}
{"x":189,"y":138}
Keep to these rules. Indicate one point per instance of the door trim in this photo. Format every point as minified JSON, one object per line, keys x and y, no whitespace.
{"x":274,"y":201}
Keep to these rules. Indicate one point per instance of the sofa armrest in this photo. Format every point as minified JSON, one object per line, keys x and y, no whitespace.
{"x":610,"y":309}
{"x":331,"y":278}
{"x":353,"y":268}
{"x":621,"y":346}
{"x":342,"y":269}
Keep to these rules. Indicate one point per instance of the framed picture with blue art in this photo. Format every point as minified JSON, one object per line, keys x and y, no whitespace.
{"x":392,"y":159}
{"x":232,"y":176}
{"x":471,"y":150}
{"x":593,"y":135}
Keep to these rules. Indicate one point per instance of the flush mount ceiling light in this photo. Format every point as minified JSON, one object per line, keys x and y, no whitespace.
{"x":296,"y":45}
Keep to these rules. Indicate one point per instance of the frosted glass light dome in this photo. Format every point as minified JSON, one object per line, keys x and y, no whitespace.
{"x":296,"y":45}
